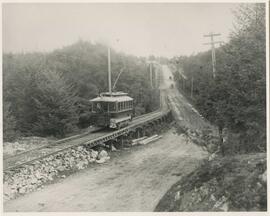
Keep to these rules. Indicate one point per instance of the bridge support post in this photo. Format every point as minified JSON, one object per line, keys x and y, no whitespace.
{"x":143,"y":131}
{"x":138,"y":133}
{"x":110,"y":143}
{"x":130,"y":137}
{"x":121,"y":141}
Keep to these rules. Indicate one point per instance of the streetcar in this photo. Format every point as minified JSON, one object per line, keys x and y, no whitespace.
{"x":113,"y":110}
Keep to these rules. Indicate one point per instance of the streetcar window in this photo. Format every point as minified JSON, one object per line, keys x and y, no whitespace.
{"x":104,"y":106}
{"x":99,"y":106}
{"x":112,"y":106}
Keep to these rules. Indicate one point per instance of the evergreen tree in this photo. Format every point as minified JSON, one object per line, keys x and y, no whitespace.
{"x":56,"y":111}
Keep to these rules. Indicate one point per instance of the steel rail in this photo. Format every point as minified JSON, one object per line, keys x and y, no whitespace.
{"x":55,"y":143}
{"x":62,"y":141}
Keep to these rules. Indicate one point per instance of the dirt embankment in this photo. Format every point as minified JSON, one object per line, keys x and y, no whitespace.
{"x":235,"y":183}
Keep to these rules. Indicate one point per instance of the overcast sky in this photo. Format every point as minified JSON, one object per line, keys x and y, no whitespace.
{"x":138,"y":29}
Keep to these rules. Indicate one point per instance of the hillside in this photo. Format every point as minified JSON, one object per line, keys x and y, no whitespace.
{"x":47,"y":94}
{"x":233,"y":183}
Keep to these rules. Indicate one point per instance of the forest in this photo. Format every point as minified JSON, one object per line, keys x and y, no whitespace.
{"x":47,"y":94}
{"x":235,"y":99}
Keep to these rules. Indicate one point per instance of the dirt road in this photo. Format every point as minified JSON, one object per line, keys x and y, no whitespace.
{"x":184,"y":112}
{"x":133,"y":180}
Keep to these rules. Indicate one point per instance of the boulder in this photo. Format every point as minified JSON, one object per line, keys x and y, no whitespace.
{"x":102,"y":154}
{"x":212,"y":157}
{"x":177,"y":196}
{"x":80,"y":165}
{"x":79,"y":148}
{"x":224,"y":207}
{"x":113,"y":148}
{"x":61,"y":168}
{"x":22,"y":190}
{"x":102,"y":160}
{"x":94,"y":154}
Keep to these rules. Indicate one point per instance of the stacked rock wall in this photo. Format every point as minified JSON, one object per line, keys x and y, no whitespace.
{"x":33,"y":176}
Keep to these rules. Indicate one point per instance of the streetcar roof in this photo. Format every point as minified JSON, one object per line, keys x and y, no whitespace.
{"x":112,"y":99}
{"x":113,"y":94}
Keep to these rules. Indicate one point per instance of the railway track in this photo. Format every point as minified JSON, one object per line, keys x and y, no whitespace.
{"x":91,"y":139}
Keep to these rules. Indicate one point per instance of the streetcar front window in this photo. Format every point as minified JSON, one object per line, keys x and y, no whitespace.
{"x":100,"y":107}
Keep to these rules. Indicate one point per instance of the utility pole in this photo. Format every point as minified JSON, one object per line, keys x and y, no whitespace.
{"x":155,"y":75}
{"x":157,"y":71}
{"x":212,"y":43}
{"x":151,"y":75}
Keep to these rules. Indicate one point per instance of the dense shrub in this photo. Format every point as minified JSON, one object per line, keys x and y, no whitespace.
{"x":236,"y":98}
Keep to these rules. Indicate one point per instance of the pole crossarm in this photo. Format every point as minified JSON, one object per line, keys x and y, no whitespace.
{"x":216,"y":42}
{"x":211,"y":35}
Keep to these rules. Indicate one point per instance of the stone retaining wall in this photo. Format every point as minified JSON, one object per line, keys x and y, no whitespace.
{"x":31,"y":177}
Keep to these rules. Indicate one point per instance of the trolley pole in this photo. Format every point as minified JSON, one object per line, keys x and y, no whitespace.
{"x":109,"y":71}
{"x":191,"y":94}
{"x":212,"y":43}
